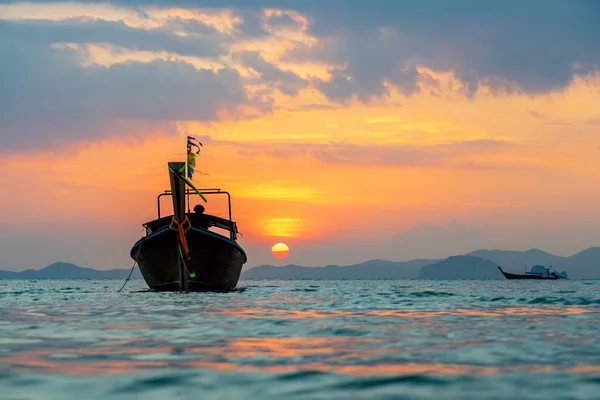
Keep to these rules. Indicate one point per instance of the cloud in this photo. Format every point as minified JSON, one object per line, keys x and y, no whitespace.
{"x":287,"y":82}
{"x":208,"y":45}
{"x":193,"y":26}
{"x":478,"y":145}
{"x":283,"y":21}
{"x":400,"y":155}
{"x":48,"y":97}
{"x":593,"y":121}
{"x":536,"y":114}
{"x":340,"y":153}
{"x":252,"y":24}
{"x":365,"y":66}
{"x":531,"y":47}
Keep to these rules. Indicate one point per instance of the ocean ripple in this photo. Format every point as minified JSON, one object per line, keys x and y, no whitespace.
{"x":301,"y":339}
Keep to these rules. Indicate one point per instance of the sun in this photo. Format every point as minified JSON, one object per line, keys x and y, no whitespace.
{"x":280,"y":250}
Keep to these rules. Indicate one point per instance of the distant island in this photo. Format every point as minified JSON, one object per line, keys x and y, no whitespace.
{"x":374,"y":269}
{"x":62,"y":270}
{"x":480,"y":264}
{"x":461,"y":267}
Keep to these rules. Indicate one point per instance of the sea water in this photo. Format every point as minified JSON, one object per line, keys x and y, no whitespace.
{"x":302,"y":339}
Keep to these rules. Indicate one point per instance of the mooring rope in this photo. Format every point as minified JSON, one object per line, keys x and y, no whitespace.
{"x":132,"y":267}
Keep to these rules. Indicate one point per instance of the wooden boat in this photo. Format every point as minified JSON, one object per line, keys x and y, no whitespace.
{"x":181,"y":252}
{"x":537,"y":272}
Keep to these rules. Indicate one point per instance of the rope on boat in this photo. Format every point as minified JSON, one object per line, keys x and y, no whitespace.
{"x":132,"y":267}
{"x":182,"y":229}
{"x":182,"y":246}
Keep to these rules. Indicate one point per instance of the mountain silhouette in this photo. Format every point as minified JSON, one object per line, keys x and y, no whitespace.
{"x":461,"y":267}
{"x":588,"y":256}
{"x":374,"y":269}
{"x":518,"y":259}
{"x":62,"y":270}
{"x":479,"y":264}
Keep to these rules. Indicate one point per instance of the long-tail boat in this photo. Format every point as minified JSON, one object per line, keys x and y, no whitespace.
{"x":182,"y":251}
{"x":537,"y":272}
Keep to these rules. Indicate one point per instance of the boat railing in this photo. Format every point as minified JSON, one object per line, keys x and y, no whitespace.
{"x":211,"y":191}
{"x":205,"y":221}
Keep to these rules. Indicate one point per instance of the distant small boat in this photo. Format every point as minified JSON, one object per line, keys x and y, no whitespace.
{"x":536,"y":272}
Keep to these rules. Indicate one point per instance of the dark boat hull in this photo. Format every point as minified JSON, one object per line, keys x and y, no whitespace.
{"x":508,"y":275}
{"x":216,"y":260}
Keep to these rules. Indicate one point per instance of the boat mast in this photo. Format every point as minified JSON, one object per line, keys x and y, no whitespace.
{"x":187,"y":155}
{"x":178,"y":196}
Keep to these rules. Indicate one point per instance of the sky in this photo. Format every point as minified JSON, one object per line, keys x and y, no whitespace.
{"x":349,"y":130}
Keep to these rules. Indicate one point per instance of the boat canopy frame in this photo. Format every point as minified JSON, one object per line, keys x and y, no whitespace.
{"x":211,"y":191}
{"x":208,"y":220}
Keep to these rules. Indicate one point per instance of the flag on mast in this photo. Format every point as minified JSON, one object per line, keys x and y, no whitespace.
{"x":191,"y":156}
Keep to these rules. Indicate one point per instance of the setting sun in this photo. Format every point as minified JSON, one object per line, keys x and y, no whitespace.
{"x":280,"y":250}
